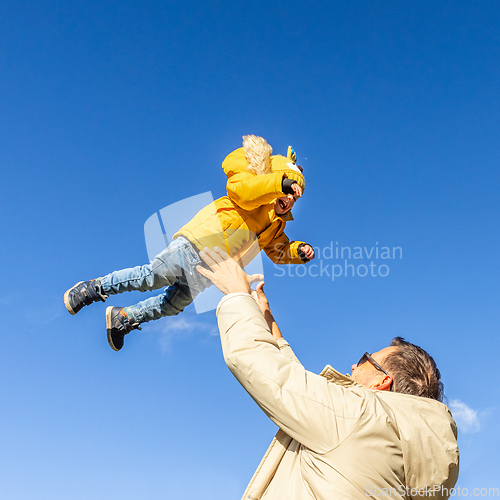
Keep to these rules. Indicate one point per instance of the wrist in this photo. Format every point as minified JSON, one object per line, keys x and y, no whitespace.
{"x":238,"y":289}
{"x":301,"y":252}
{"x":286,"y":185}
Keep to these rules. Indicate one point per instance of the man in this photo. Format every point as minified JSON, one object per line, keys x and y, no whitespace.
{"x":369,"y":434}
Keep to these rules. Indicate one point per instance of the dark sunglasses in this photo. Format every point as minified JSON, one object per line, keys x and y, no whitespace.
{"x":366,"y":357}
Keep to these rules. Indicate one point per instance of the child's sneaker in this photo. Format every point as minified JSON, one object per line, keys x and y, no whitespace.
{"x":118,"y":324}
{"x":82,"y":294}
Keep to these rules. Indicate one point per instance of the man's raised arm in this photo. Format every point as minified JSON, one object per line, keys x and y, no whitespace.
{"x":301,"y":403}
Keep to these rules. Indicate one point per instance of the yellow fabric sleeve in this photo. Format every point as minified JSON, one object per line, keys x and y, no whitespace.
{"x":283,"y":251}
{"x":247,"y":190}
{"x":250,"y":191}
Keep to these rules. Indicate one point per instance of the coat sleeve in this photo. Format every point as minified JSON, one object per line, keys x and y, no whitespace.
{"x":283,"y":251}
{"x":304,"y":405}
{"x":247,"y":190}
{"x":286,"y":350}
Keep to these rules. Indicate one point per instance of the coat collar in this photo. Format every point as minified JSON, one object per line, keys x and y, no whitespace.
{"x":336,"y":377}
{"x":286,"y":217}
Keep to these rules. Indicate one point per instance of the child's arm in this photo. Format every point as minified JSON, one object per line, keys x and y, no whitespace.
{"x":283,"y":251}
{"x":247,"y":190}
{"x":250,"y":191}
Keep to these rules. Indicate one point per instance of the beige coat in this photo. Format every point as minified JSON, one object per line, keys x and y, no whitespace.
{"x":337,"y":439}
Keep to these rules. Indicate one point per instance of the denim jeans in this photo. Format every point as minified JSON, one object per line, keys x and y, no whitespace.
{"x":174,"y":268}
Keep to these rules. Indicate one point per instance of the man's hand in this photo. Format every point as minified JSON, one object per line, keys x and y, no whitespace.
{"x":261,"y":299}
{"x":308,"y":251}
{"x":226,"y":274}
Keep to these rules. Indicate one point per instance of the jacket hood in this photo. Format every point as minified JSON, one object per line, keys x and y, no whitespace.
{"x":260,"y":160}
{"x":437,"y":439}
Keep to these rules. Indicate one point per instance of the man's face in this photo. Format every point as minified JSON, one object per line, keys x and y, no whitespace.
{"x":367,"y":375}
{"x":284,"y":204}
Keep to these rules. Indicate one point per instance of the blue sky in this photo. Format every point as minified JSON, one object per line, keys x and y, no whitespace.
{"x":113,"y":110}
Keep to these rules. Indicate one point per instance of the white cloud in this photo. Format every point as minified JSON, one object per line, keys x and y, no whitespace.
{"x":466,"y":418}
{"x":179,"y":324}
{"x":46,"y":310}
{"x":174,"y":327}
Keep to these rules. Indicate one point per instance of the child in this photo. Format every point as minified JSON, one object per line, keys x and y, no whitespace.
{"x":261,"y":190}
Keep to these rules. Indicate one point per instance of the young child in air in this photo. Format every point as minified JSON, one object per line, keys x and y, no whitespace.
{"x":261,"y":191}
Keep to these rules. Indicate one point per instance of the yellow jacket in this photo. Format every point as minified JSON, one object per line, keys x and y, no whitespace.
{"x":244,"y":222}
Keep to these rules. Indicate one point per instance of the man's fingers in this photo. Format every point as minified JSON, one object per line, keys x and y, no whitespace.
{"x":258,"y":294}
{"x":212,"y":257}
{"x":225,"y":273}
{"x":205,"y":272}
{"x":206,"y":255}
{"x":252,"y":278}
{"x":222,"y":253}
{"x":260,"y":297}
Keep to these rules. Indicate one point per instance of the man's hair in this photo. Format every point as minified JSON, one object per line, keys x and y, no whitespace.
{"x":414,"y":371}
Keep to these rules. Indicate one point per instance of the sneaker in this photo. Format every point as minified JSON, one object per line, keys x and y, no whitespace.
{"x":83,"y":294}
{"x":118,"y":324}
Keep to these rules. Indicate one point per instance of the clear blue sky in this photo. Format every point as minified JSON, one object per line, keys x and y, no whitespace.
{"x":111,"y":111}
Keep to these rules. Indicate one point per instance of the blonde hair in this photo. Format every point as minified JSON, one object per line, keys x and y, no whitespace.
{"x":257,"y":152}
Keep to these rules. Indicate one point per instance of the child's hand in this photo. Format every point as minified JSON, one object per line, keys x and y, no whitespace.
{"x":297,"y":190}
{"x":308,"y":251}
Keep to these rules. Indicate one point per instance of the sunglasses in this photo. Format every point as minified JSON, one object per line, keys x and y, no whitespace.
{"x":366,"y":357}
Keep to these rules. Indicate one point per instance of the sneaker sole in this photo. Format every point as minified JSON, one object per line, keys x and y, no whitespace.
{"x":66,"y":299}
{"x":109,"y":326}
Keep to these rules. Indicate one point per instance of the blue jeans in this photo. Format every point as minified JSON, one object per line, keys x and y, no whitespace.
{"x":174,"y":268}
